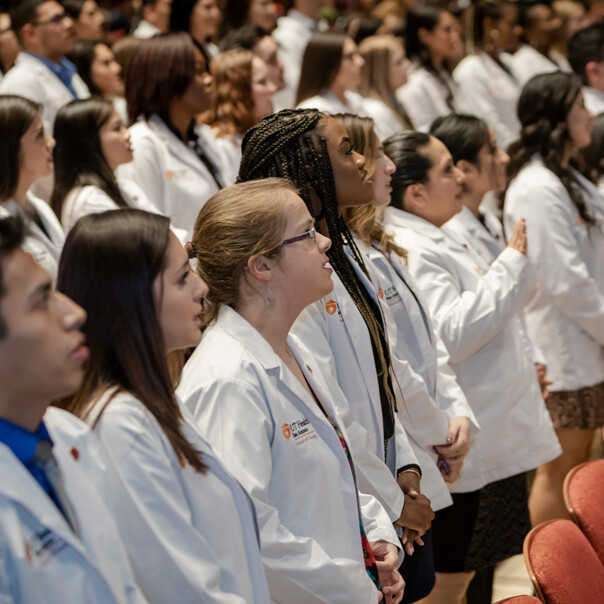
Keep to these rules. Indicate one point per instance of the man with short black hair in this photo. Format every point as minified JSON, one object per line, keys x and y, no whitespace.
{"x":586,"y":56}
{"x":254,"y":38}
{"x":42,"y":73}
{"x":155,"y":19}
{"x":58,"y":542}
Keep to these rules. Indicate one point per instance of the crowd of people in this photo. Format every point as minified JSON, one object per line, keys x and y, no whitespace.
{"x":293,"y":302}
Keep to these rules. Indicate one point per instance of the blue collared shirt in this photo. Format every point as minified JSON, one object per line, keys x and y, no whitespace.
{"x":65,"y":70}
{"x":23,"y":444}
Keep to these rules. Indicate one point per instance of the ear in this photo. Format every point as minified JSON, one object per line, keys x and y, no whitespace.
{"x":592,"y":71}
{"x":422,"y":35}
{"x":260,"y":267}
{"x":28,"y":33}
{"x":415,"y":197}
{"x":466,"y":167}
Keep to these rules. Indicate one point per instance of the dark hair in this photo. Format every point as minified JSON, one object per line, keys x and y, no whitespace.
{"x":245,"y":37}
{"x":162,"y":67}
{"x":123,"y":51}
{"x":289,"y":144}
{"x":367,"y":27}
{"x":73,"y":7}
{"x":585,"y":46}
{"x":320,"y":65}
{"x":463,"y":135}
{"x":592,"y":157}
{"x":543,"y":108}
{"x":12,"y":234}
{"x":108,"y":266}
{"x":78,"y":155}
{"x":236,"y":14}
{"x":408,"y":152}
{"x":23,"y":13}
{"x":180,"y":15}
{"x":421,"y":16}
{"x":525,"y":18}
{"x":17,"y":114}
{"x":82,"y":57}
{"x":487,"y":9}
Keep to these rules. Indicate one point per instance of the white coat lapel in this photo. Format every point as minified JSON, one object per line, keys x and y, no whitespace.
{"x":19,"y":485}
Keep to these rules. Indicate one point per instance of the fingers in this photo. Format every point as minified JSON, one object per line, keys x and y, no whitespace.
{"x":393,"y":587}
{"x":518,"y":239}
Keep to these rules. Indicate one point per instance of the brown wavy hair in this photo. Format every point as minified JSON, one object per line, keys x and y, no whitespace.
{"x":365,"y":221}
{"x":233,"y":110}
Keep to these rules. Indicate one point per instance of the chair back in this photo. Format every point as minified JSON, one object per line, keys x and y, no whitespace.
{"x":562,"y":565}
{"x":584,"y":499}
{"x":519,"y":600}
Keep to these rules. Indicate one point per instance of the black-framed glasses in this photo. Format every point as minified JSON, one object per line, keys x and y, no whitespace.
{"x":56,"y":20}
{"x":312,"y":234}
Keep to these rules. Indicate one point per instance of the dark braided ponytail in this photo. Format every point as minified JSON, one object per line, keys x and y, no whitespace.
{"x":543,"y":109}
{"x":288,"y":144}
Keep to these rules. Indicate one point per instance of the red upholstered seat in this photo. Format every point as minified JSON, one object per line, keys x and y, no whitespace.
{"x":584,"y":498}
{"x":519,"y":600}
{"x":563,"y":566}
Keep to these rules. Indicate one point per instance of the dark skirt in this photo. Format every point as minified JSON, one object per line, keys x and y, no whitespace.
{"x":418,"y":571}
{"x":572,"y":409}
{"x":483,"y":527}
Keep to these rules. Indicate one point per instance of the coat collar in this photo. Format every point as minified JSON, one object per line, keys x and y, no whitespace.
{"x":401,"y":219}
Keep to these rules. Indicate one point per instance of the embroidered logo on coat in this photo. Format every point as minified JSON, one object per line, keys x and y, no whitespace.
{"x":287,"y":432}
{"x":331,"y":306}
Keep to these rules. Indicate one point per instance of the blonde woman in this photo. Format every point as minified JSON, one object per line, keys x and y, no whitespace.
{"x":384,"y":72}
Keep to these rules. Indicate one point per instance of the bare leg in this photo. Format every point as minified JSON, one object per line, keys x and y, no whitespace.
{"x":546,"y":501}
{"x":450,"y":588}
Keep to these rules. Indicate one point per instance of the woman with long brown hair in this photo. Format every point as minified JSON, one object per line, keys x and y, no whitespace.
{"x":188,"y":527}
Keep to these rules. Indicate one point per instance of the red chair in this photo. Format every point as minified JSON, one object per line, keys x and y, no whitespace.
{"x":520,"y":600}
{"x":584,"y":499}
{"x":562,"y":565}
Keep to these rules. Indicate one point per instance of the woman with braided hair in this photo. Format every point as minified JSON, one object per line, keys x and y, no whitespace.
{"x":565,"y":315}
{"x":314,"y":151}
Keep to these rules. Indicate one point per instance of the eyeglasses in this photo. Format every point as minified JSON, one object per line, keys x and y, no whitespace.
{"x":56,"y":20}
{"x":312,"y":234}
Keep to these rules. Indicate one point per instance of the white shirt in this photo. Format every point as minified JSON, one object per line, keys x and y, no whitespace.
{"x":424,"y":97}
{"x":171,"y":174}
{"x":292,"y":34}
{"x":527,"y":62}
{"x":565,"y":315}
{"x":44,"y":245}
{"x":328,"y":102}
{"x":387,"y":122}
{"x":145,"y":30}
{"x":29,"y":77}
{"x":41,"y":557}
{"x":476,"y":310}
{"x":491,"y":93}
{"x":594,"y":99}
{"x":272,"y":435}
{"x":190,"y":536}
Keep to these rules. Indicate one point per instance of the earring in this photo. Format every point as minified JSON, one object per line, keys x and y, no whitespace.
{"x":269,"y":299}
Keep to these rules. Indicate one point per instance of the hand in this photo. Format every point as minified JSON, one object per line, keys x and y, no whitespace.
{"x":458,"y":439}
{"x":518,"y":239}
{"x":543,"y":382}
{"x":450,"y":467}
{"x":409,"y":538}
{"x":417,"y":513}
{"x":386,"y":559}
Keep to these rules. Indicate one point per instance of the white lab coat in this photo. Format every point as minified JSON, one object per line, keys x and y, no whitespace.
{"x":430,"y":393}
{"x":41,"y":558}
{"x":29,"y":77}
{"x":336,"y":335}
{"x":191,"y":537}
{"x":230,"y":146}
{"x":565,"y":315}
{"x":292,"y":34}
{"x":476,"y":310}
{"x":45,"y":247}
{"x":424,"y":97}
{"x":274,"y":438}
{"x":145,"y":30}
{"x":328,"y":102}
{"x":387,"y":122}
{"x":594,"y":99}
{"x":491,"y":93}
{"x":527,"y":62}
{"x":170,"y":174}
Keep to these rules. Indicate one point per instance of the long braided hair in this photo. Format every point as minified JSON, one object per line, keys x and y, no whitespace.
{"x":289,"y":144}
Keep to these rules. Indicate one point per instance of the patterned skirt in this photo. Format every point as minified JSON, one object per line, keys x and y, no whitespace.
{"x":582,"y":408}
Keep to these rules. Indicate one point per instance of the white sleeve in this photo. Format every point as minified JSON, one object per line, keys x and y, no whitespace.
{"x":84,"y":201}
{"x":153,"y":515}
{"x":552,"y":232}
{"x":467,"y":320}
{"x":234,"y":417}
